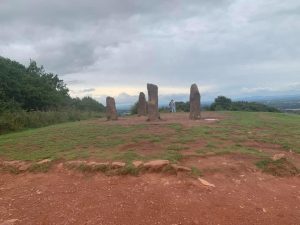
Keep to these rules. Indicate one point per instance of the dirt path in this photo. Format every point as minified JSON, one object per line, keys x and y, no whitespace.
{"x":167,"y":118}
{"x":65,"y":197}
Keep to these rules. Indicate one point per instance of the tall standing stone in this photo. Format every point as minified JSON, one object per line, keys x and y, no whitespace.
{"x":195,"y":105}
{"x":142,"y":105}
{"x":153,"y":113}
{"x":111,"y":111}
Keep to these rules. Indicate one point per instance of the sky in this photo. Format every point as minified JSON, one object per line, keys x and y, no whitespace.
{"x":100,"y":48}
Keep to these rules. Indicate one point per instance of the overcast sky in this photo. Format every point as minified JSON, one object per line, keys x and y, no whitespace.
{"x":114,"y":47}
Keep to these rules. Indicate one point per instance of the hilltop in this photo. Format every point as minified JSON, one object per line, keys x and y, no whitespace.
{"x":239,"y":157}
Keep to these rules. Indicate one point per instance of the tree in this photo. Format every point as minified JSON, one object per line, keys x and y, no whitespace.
{"x":32,"y":88}
{"x":134,"y":108}
{"x":221,"y":103}
{"x":183,"y":106}
{"x":88,"y":104}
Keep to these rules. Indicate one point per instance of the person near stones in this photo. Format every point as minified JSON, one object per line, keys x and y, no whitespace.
{"x":172,"y":105}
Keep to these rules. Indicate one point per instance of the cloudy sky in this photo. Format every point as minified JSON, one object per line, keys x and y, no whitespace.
{"x":114,"y":47}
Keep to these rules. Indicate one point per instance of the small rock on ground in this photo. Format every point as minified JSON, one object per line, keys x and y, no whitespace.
{"x":94,"y":164}
{"x":206,"y":183}
{"x":9,"y":222}
{"x":75,"y":163}
{"x":44,"y":161}
{"x":156,"y":164}
{"x":117,"y":165}
{"x":24,"y":167}
{"x":278,"y":156}
{"x":181,"y":168}
{"x":137,"y":164}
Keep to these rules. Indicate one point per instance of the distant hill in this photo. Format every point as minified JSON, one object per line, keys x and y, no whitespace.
{"x":284,"y":103}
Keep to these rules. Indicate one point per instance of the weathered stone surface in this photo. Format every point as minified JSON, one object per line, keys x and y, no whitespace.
{"x":153,"y":113}
{"x":97,"y":164}
{"x":206,"y":183}
{"x":181,"y":168}
{"x":24,"y":166}
{"x":156,"y":164}
{"x":195,"y":107}
{"x":117,"y":165}
{"x":278,"y":156}
{"x":9,"y":222}
{"x":111,"y":111}
{"x":14,"y":163}
{"x":137,"y":164}
{"x":142,"y":105}
{"x":44,"y":161}
{"x":20,"y":165}
{"x":75,"y":163}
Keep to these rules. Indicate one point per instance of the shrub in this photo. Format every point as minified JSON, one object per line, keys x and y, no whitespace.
{"x":13,"y":121}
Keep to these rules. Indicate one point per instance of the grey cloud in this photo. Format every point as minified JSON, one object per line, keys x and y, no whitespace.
{"x":88,"y":90}
{"x":232,"y":44}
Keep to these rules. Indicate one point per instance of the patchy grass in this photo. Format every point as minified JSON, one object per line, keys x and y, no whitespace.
{"x":177,"y":147}
{"x":129,"y":169}
{"x":171,"y":155}
{"x":9,"y":169}
{"x":147,"y":137}
{"x":40,"y":168}
{"x":177,"y":127}
{"x":195,"y":172}
{"x":89,"y":168}
{"x":90,"y":139}
{"x":127,"y":156}
{"x":63,"y":141}
{"x":281,"y":167}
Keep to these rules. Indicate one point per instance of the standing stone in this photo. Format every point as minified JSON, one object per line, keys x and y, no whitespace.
{"x":111,"y":111}
{"x":153,"y":113}
{"x":142,"y":105}
{"x":195,"y":107}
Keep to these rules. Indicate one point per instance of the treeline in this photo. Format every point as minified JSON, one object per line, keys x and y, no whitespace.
{"x":31,"y":97}
{"x":223,"y":103}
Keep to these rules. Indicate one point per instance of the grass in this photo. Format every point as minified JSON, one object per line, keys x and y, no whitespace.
{"x":195,"y":172}
{"x":40,"y":168}
{"x":127,"y":156}
{"x":147,"y":137}
{"x":281,"y":167}
{"x":90,"y":139}
{"x":13,"y":121}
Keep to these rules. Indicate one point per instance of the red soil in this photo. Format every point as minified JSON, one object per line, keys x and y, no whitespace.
{"x":64,"y":197}
{"x":167,"y":118}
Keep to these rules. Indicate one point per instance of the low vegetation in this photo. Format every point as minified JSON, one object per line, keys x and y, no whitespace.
{"x":98,"y":140}
{"x":222,"y":103}
{"x":31,"y":97}
{"x":281,"y":167}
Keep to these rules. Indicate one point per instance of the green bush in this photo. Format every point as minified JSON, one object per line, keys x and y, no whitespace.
{"x":222,"y":103}
{"x":134,"y":109}
{"x":13,"y":121}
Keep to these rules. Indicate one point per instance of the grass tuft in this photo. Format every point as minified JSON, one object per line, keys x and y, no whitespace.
{"x":196,"y":172}
{"x":281,"y":167}
{"x":40,"y":168}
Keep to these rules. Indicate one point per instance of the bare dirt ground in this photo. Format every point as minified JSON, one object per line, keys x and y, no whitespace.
{"x":167,"y":118}
{"x":65,"y":197}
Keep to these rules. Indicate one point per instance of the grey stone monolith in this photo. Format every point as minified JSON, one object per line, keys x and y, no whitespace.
{"x":142,"y":105}
{"x":111,"y":111}
{"x":153,"y":113}
{"x":195,"y":103}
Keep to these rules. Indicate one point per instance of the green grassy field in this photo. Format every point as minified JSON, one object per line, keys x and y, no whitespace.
{"x":105,"y":141}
